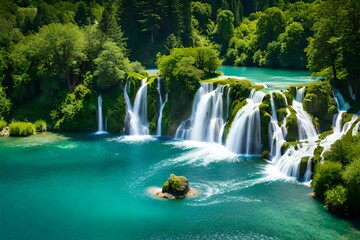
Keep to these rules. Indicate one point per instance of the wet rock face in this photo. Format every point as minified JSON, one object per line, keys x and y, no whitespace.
{"x":178,"y":186}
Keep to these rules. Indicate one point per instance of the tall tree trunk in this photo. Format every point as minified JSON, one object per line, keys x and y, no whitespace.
{"x":334,"y":70}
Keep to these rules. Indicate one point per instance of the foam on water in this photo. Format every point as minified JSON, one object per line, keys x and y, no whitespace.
{"x":133,"y":139}
{"x":200,"y":153}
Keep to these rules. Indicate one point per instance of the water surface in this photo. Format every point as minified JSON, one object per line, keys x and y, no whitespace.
{"x":79,"y":186}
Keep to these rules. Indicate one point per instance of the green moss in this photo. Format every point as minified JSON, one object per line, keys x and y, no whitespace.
{"x":284,"y":146}
{"x":176,"y":185}
{"x":316,"y":159}
{"x":265,"y":154}
{"x":325,"y":134}
{"x":265,"y":118}
{"x":292,"y":127}
{"x":303,"y":166}
{"x":346,"y":117}
{"x":236,"y":105}
{"x":281,"y":114}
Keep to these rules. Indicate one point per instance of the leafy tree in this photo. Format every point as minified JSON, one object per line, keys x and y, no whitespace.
{"x":293,"y":43}
{"x":109,"y":26}
{"x":81,"y":15}
{"x":271,"y":24}
{"x":324,"y":50}
{"x":150,"y":19}
{"x":351,"y":176}
{"x":5,"y":103}
{"x":224,"y":27}
{"x":111,"y":66}
{"x":327,"y":176}
{"x":335,"y":198}
{"x":186,"y":34}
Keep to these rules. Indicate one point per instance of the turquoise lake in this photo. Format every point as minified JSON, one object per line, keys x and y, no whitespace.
{"x":274,"y":79}
{"x":85,"y":186}
{"x":81,"y":186}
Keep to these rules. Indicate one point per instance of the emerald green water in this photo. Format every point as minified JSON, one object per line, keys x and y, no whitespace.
{"x":79,"y":186}
{"x":275,"y":79}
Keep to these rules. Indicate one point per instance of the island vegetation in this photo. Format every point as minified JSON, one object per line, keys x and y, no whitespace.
{"x":57,"y":56}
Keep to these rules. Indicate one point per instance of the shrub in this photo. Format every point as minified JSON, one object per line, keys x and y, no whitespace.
{"x":335,"y":198}
{"x":327,"y":176}
{"x":40,"y":125}
{"x":21,"y":129}
{"x":351,"y":176}
{"x":3,"y":124}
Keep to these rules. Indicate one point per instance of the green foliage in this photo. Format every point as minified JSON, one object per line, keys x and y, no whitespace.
{"x":5,"y":103}
{"x":351,"y":176}
{"x":326,"y":176}
{"x":335,"y":198}
{"x":3,"y":124}
{"x":111,"y":66}
{"x":21,"y":129}
{"x":182,"y":71}
{"x":40,"y":125}
{"x":224,"y":27}
{"x":292,"y":127}
{"x":69,"y":108}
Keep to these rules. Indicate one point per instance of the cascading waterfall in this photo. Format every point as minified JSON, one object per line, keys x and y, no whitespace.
{"x":304,"y":121}
{"x":162,"y":105}
{"x":207,"y":118}
{"x":245,"y":133}
{"x":136,"y":116}
{"x":277,"y":134}
{"x":340,"y":101}
{"x":100,"y":117}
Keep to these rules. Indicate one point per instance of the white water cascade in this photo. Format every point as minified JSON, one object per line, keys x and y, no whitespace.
{"x":245,"y":133}
{"x":136,"y":117}
{"x":101,"y":129}
{"x":277,"y":134}
{"x":209,"y":113}
{"x":304,"y":121}
{"x":162,"y":105}
{"x":340,"y":101}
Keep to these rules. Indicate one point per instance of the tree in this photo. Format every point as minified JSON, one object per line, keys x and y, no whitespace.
{"x":111,"y":66}
{"x":324,"y":49}
{"x":186,"y":34}
{"x":270,"y":25}
{"x":327,"y":176}
{"x":293,"y":43}
{"x":81,"y":15}
{"x":150,"y":19}
{"x":109,"y":26}
{"x":224,"y":27}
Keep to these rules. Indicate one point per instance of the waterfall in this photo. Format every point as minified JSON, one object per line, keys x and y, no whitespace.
{"x":304,"y":121}
{"x":136,"y":116}
{"x":340,"y":101}
{"x":351,"y":92}
{"x":277,"y":134}
{"x":245,"y":133}
{"x":207,"y":118}
{"x":162,"y":105}
{"x":100,"y":117}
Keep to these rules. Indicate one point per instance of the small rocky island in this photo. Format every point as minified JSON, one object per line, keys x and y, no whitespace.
{"x":174,"y":187}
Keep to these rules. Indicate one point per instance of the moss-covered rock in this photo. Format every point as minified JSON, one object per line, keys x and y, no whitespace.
{"x":303,"y":166}
{"x":292,"y":127}
{"x":284,"y":146}
{"x":316,"y":156}
{"x":281,"y":114}
{"x":178,"y":186}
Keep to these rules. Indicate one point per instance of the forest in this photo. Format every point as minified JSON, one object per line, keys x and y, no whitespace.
{"x":57,"y":56}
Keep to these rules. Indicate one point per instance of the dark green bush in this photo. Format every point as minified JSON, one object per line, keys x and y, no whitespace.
{"x":351,"y":176}
{"x":21,"y":129}
{"x":40,"y":125}
{"x":335,"y":198}
{"x":327,"y":176}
